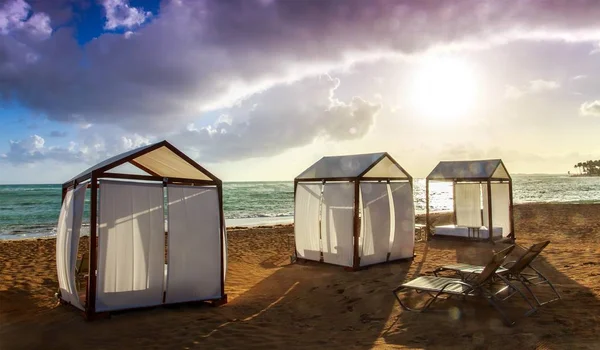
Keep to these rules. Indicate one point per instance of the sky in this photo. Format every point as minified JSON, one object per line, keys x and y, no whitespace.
{"x":261,"y":89}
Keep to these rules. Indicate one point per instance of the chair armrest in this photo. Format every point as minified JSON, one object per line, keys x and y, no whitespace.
{"x":457,"y":282}
{"x":509,"y":263}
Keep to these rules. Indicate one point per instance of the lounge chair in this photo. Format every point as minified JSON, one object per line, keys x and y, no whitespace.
{"x":81,"y":269}
{"x":517,"y":270}
{"x":478,"y":285}
{"x":81,"y":272}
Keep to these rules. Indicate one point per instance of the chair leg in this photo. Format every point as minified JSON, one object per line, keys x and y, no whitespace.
{"x":406,"y":307}
{"x":525,"y":281}
{"x":492,"y":300}
{"x":532,"y":308}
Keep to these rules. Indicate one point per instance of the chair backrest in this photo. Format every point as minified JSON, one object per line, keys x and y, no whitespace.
{"x":490,"y":269}
{"x":83,"y":265}
{"x":528,"y":257}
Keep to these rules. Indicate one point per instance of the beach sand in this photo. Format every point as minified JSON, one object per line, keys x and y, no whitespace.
{"x":275,"y":304}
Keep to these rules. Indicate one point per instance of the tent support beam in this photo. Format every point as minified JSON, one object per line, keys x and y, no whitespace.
{"x":295,"y":256}
{"x":511,"y":211}
{"x":356,"y":262}
{"x":90,"y":308}
{"x":170,"y":180}
{"x":143,"y":168}
{"x":427,"y":227}
{"x":490,"y":221}
{"x":222,"y":234}
{"x":454,"y":202}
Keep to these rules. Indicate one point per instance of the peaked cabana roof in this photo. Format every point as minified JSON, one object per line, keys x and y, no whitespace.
{"x":370,"y":165}
{"x":157,"y":160}
{"x":490,"y":169}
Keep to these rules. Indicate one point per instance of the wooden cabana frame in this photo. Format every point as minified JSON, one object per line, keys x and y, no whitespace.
{"x":486,"y":172}
{"x":141,"y":158}
{"x":362,"y":175}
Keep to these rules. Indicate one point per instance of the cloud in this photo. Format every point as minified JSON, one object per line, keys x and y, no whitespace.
{"x":197,"y":52}
{"x":16,"y":16}
{"x":33,"y":149}
{"x":591,"y":108}
{"x":281,"y":118}
{"x":56,"y":133}
{"x":579,"y":77}
{"x":120,"y":15}
{"x":534,"y":87}
{"x":93,"y":149}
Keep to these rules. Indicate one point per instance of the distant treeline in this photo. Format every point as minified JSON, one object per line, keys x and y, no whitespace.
{"x":591,"y":167}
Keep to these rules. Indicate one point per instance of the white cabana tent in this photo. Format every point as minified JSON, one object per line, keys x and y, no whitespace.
{"x":482,"y":192}
{"x":354,"y":211}
{"x":134,"y":261}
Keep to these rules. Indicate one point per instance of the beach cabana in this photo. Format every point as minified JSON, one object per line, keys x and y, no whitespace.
{"x":134,"y":260}
{"x":354,"y":211}
{"x":482,"y":198}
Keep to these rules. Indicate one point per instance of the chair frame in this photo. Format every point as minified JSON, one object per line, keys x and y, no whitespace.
{"x":514,"y":270}
{"x":477,"y":285}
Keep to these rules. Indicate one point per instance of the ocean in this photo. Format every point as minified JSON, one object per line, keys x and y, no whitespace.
{"x":28,"y":211}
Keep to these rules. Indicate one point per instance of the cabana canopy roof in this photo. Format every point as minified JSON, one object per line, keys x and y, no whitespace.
{"x":160,"y":159}
{"x":370,"y":165}
{"x":490,"y":169}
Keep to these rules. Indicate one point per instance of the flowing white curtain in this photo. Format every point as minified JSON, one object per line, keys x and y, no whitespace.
{"x":500,"y":207}
{"x":306,"y":220}
{"x":67,"y":244}
{"x":194,"y":259}
{"x":403,"y":237}
{"x":376,"y":223}
{"x":337,"y":222}
{"x":468,"y":204}
{"x":131,"y":245}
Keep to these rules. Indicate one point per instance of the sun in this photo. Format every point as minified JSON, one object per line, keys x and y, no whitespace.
{"x":443,"y":88}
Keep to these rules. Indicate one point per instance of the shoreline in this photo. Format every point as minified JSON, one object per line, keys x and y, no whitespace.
{"x":238,"y":224}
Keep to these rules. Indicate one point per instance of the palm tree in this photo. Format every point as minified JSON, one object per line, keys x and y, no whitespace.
{"x":588,"y":168}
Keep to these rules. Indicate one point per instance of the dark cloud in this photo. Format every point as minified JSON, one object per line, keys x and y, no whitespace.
{"x":281,"y":118}
{"x":197,"y":52}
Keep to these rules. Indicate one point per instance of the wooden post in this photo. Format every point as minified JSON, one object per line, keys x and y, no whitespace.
{"x":490,"y":222}
{"x":356,"y":262}
{"x":295,"y":248}
{"x":222,"y":223}
{"x":511,"y":211}
{"x":427,"y":228}
{"x":90,"y":308}
{"x":64,"y":194}
{"x":454,"y":202}
{"x":321,"y":259}
{"x":480,"y":195}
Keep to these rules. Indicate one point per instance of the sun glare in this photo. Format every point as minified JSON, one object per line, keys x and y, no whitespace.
{"x":443,"y":88}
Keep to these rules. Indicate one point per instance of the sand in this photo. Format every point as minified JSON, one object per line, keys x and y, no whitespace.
{"x":275,"y":304}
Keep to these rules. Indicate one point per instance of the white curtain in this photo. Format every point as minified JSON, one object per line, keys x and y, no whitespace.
{"x":67,"y":244}
{"x":131,"y":245}
{"x":403,"y":237}
{"x":468,"y":204}
{"x":337,"y":222}
{"x":194,"y":258}
{"x":306,"y":220}
{"x":500,"y":207}
{"x":376,"y":225}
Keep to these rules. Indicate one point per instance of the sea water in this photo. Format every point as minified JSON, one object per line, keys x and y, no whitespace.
{"x":32,"y":210}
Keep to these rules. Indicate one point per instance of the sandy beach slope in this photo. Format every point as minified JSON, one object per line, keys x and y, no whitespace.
{"x":277,"y":305}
